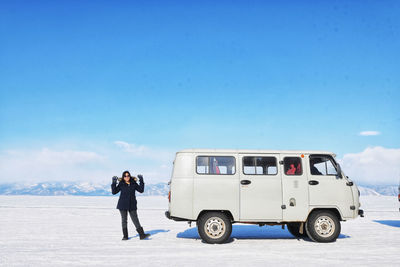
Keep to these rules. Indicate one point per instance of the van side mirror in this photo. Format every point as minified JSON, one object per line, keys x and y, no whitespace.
{"x":339,"y":171}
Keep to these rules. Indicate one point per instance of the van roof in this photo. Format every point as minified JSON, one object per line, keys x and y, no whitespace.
{"x":255,"y":151}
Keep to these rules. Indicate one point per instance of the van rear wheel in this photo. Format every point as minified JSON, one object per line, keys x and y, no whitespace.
{"x":214,"y":227}
{"x":294,"y":229}
{"x":323,"y":226}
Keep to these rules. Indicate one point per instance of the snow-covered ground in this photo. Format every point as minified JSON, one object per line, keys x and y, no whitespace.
{"x":72,"y":230}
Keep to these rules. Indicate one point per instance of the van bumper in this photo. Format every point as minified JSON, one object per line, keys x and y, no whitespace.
{"x":168,"y":215}
{"x":361,"y":213}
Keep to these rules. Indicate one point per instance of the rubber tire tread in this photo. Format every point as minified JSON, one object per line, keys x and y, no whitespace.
{"x":312,"y":234}
{"x":203,"y":219}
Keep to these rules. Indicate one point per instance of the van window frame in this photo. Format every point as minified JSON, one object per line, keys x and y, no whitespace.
{"x":276,"y":165}
{"x":209,"y":156}
{"x":301,"y":162}
{"x":326,"y":156}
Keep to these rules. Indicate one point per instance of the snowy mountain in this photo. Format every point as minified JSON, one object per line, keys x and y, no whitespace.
{"x":160,"y":189}
{"x":377,"y":190}
{"x":70,"y":188}
{"x":365,"y":191}
{"x":389,"y":190}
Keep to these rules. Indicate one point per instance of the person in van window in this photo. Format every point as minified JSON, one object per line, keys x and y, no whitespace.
{"x":314,"y":170}
{"x":216,"y":168}
{"x":292,"y":170}
{"x":298,"y":169}
{"x":127,"y":201}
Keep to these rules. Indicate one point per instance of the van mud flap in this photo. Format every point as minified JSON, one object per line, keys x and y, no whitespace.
{"x":361,"y":213}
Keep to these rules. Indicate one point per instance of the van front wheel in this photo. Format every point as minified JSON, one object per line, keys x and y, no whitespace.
{"x":323,"y":226}
{"x":214,"y":227}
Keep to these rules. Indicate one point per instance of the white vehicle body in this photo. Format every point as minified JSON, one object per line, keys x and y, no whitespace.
{"x":263,"y":193}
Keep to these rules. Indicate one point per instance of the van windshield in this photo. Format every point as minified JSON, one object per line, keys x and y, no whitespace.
{"x":322,"y":165}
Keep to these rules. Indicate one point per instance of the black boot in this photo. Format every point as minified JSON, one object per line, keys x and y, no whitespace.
{"x":125,"y":231}
{"x":141,"y":233}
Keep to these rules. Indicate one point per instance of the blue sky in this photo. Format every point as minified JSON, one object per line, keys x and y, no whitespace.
{"x":80,"y":75}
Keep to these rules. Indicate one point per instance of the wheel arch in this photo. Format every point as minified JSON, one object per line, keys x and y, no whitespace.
{"x":332,"y":209}
{"x":226,"y":212}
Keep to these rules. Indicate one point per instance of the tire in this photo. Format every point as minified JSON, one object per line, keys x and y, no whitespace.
{"x":214,"y":227}
{"x":294,"y":229}
{"x":323,"y":226}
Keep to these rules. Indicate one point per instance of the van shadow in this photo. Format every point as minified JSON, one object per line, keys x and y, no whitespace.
{"x":250,"y":232}
{"x":152,"y":232}
{"x":393,"y":223}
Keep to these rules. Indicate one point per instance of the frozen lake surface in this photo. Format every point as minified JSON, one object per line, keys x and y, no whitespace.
{"x":80,"y":231}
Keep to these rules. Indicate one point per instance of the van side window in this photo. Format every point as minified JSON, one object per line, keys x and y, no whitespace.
{"x":215,"y":165}
{"x":292,"y":166}
{"x":260,"y":165}
{"x":322,"y":165}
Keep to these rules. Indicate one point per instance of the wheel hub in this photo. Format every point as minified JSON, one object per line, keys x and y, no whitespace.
{"x":215,"y":227}
{"x":324,"y":226}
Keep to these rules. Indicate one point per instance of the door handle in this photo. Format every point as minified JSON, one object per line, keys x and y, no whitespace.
{"x":245,"y":182}
{"x":313,"y":182}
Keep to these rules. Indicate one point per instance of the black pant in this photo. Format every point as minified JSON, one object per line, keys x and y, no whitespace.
{"x":134,"y":217}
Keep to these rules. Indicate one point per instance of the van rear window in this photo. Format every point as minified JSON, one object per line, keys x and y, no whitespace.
{"x":259,"y":165}
{"x":216,"y":165}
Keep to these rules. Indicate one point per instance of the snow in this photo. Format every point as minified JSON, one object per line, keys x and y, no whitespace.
{"x":80,"y":231}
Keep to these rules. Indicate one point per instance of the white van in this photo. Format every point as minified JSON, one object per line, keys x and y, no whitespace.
{"x":305,"y":190}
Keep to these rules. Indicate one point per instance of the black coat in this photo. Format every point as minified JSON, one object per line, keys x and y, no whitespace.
{"x":127,"y":198}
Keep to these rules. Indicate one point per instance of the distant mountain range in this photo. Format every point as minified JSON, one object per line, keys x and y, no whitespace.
{"x":384,"y":190}
{"x":74,"y":189}
{"x":160,"y":189}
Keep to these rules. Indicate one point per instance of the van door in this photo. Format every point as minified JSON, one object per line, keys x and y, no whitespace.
{"x":295,"y":187}
{"x":260,"y":188}
{"x":326,"y":188}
